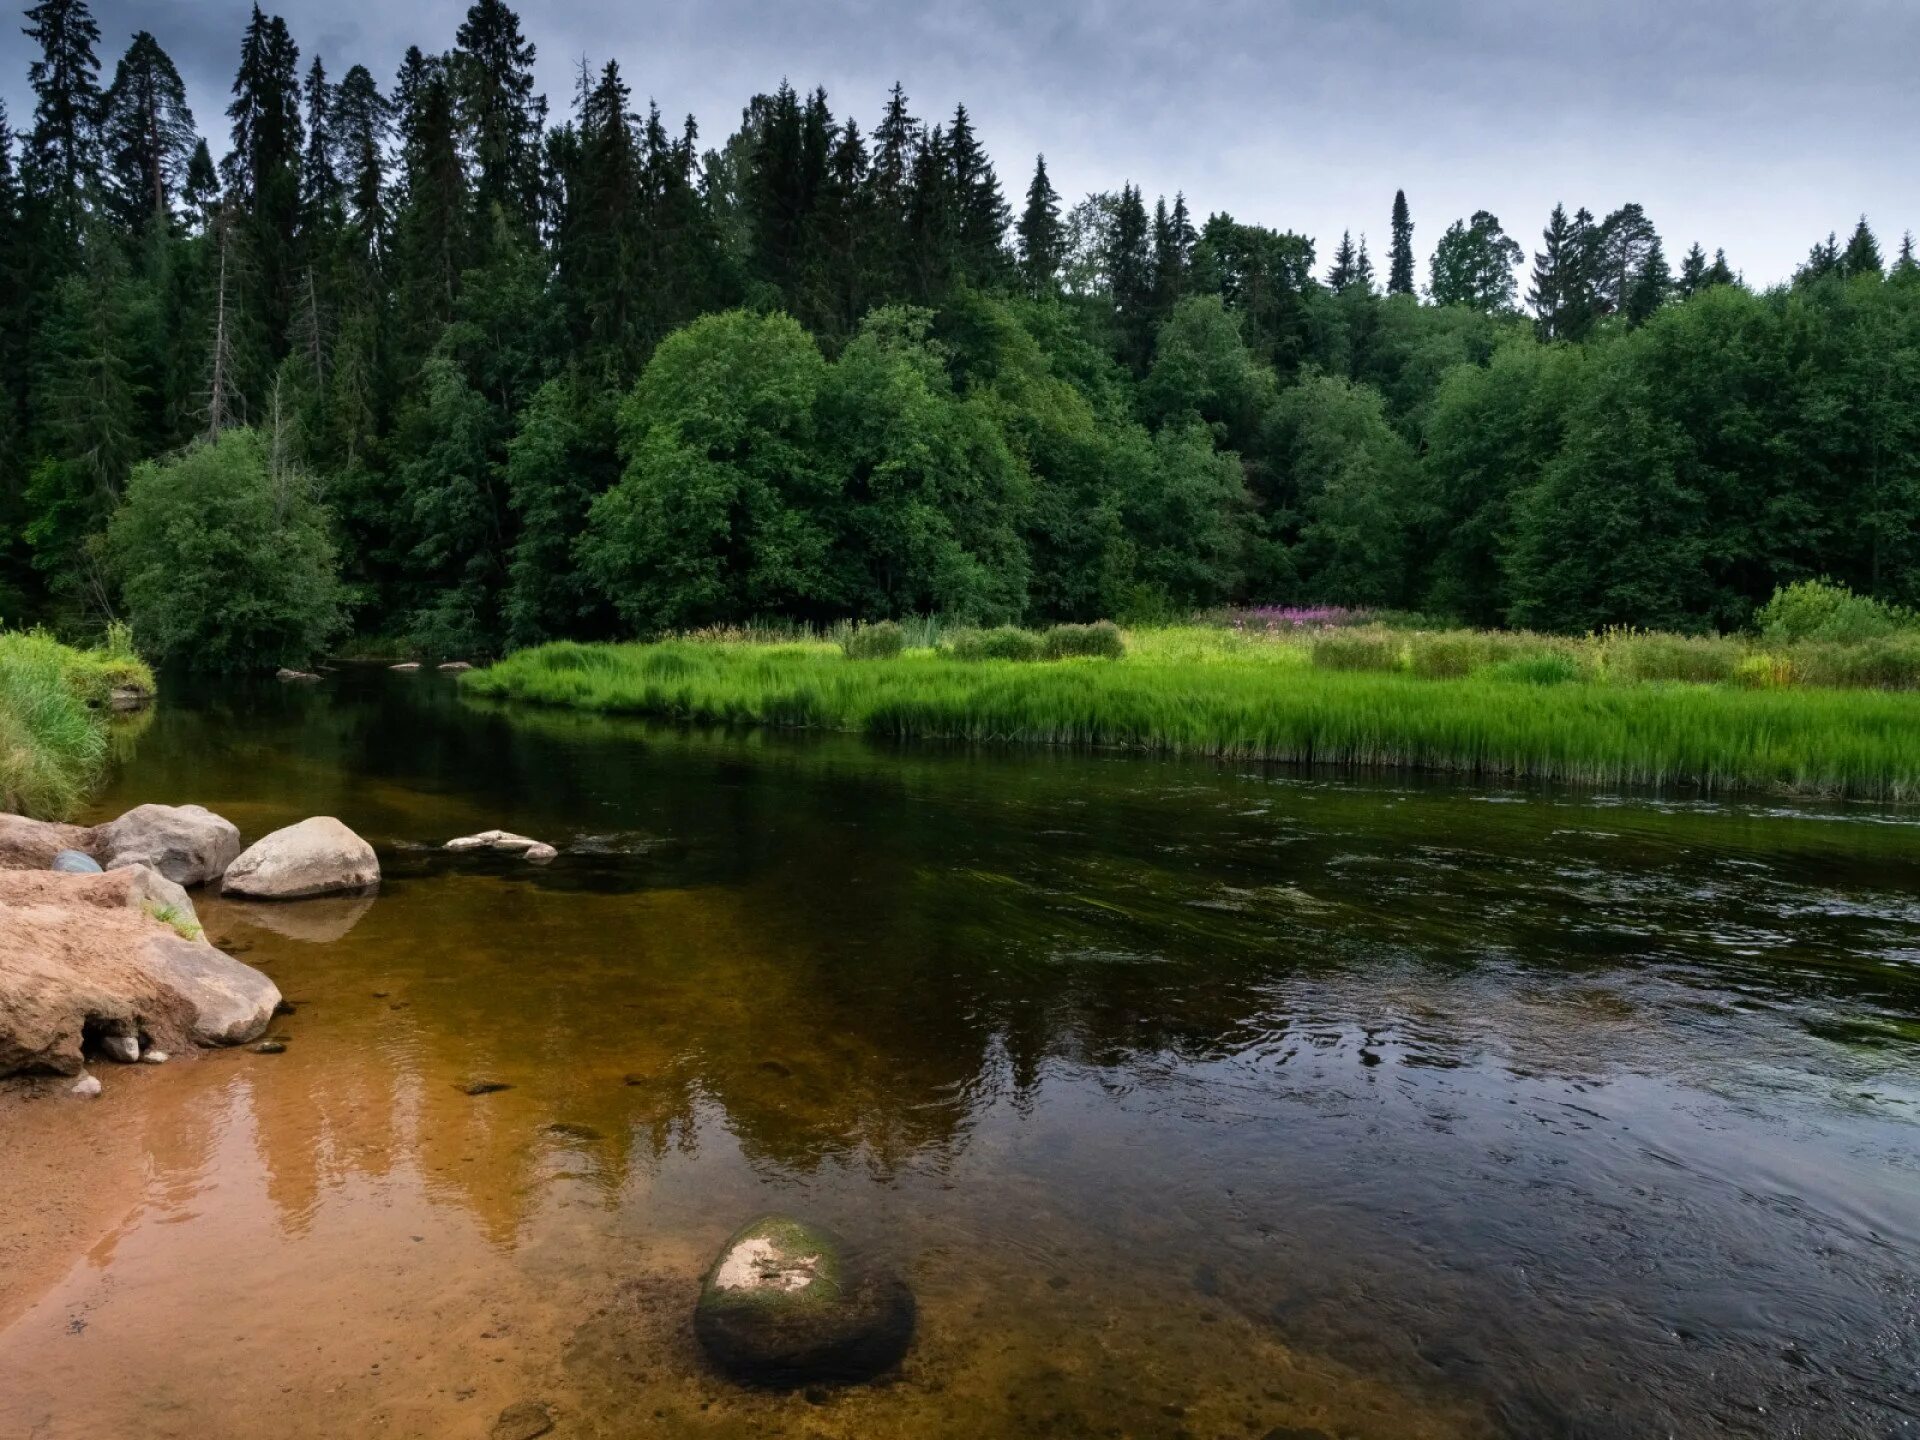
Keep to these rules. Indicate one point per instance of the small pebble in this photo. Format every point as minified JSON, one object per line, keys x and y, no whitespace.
{"x":485,"y":1087}
{"x":86,"y":1087}
{"x":155,"y":1057}
{"x":270,"y":1047}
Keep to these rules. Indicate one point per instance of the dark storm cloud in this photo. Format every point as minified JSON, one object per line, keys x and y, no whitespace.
{"x":1757,"y":125}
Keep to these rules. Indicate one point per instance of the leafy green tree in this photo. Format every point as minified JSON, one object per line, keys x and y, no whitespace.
{"x":1203,"y":370}
{"x":933,"y":498}
{"x":1623,"y":245}
{"x":1400,"y":271}
{"x":561,"y":458}
{"x":1473,"y":266}
{"x":1349,"y":480}
{"x":718,"y":515}
{"x":223,"y":559}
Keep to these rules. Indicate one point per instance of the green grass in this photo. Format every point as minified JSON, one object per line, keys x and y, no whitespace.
{"x":53,"y":718}
{"x":1549,"y":712}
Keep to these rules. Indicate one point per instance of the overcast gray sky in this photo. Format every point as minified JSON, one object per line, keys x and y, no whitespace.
{"x":1756,"y":125}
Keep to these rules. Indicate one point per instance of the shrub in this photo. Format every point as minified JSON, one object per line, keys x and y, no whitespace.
{"x":1889,"y":663}
{"x":1822,"y":610}
{"x":1356,"y":650}
{"x":1761,"y":671}
{"x":1699,"y":659}
{"x":1007,"y":642}
{"x":1449,"y":655}
{"x":882,"y":641}
{"x":224,"y":564}
{"x":1099,"y":641}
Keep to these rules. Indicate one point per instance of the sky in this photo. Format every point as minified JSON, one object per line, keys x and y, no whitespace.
{"x":1753,"y":125}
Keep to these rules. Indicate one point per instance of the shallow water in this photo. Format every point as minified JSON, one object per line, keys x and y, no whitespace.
{"x":1193,"y":1100}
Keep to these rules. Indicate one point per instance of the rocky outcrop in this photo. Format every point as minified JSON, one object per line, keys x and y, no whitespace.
{"x":316,"y":857}
{"x":506,"y":843}
{"x":86,"y":957}
{"x":188,"y":844}
{"x":788,"y":1304}
{"x":31,"y":844}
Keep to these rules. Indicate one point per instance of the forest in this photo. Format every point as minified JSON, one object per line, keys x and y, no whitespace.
{"x":422,"y":363}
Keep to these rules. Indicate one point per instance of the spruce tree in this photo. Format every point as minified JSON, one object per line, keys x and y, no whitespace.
{"x":362,"y":123}
{"x":263,"y":175}
{"x":1720,"y":273}
{"x":1040,"y":234}
{"x":501,"y":116}
{"x":1173,"y":241}
{"x":1363,"y":269}
{"x":1693,"y":273}
{"x":200,"y":193}
{"x":1344,"y":267}
{"x":1862,"y":255}
{"x":1548,"y":292}
{"x":320,"y":190}
{"x":147,"y":136}
{"x":1400,"y":270}
{"x":61,"y":163}
{"x":1650,"y":287}
{"x":1905,"y":270}
{"x":980,"y":210}
{"x":1822,"y":260}
{"x":1129,"y":266}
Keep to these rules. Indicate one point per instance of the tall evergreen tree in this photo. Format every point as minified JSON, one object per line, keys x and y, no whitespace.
{"x":1622,"y":245}
{"x":147,"y":136}
{"x":1905,"y":268}
{"x":61,"y":164}
{"x":1041,"y":240}
{"x":980,"y":210}
{"x":1720,"y":273}
{"x":1129,"y":266}
{"x":1862,"y":255}
{"x":501,"y":116}
{"x":1693,"y":273}
{"x":263,"y":177}
{"x":1400,"y":269}
{"x":200,"y":192}
{"x":320,"y":190}
{"x":1345,"y":267}
{"x":1651,"y":286}
{"x":362,"y":123}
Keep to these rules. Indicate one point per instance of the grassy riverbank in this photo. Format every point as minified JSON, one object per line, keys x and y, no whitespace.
{"x":1351,"y":701}
{"x":54,"y":704}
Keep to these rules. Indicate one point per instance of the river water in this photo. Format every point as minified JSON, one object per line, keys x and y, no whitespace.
{"x":1193,"y":1100}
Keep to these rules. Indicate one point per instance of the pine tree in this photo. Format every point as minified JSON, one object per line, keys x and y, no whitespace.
{"x":1400,"y":271}
{"x":1363,"y":269}
{"x":263,"y":177}
{"x":1173,"y":242}
{"x":147,"y":136}
{"x":1040,"y":234}
{"x":501,"y":116}
{"x":432,"y":244}
{"x":601,"y":236}
{"x":61,"y":163}
{"x":1862,"y":255}
{"x":1130,"y":279}
{"x":1623,"y":242}
{"x":1822,"y":260}
{"x":1342,"y":273}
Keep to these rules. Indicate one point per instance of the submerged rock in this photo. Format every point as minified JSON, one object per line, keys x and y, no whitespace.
{"x":188,"y":844}
{"x":787,"y":1304}
{"x":528,"y":1420}
{"x":503,"y":841}
{"x":75,"y":862}
{"x":456,"y":665}
{"x":92,"y":954}
{"x":316,"y":857}
{"x":128,"y":698}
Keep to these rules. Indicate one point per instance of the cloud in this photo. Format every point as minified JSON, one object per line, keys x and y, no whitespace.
{"x":1757,"y":125}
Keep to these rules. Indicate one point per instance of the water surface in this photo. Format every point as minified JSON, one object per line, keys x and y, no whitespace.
{"x":1194,"y":1100}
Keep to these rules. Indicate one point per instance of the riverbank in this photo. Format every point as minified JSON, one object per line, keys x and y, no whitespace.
{"x":54,"y":706}
{"x":1193,"y":691}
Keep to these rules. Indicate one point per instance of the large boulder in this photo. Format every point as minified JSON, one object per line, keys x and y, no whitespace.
{"x":188,"y":844}
{"x":31,"y":844}
{"x":786,"y":1304}
{"x":85,"y":957}
{"x":316,"y":857}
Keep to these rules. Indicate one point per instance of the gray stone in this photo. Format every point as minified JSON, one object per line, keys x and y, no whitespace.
{"x":155,"y":1057}
{"x":87,"y":1087}
{"x":316,"y":857}
{"x":788,"y":1304}
{"x":76,"y":862}
{"x":230,"y":1003}
{"x":124,"y":699}
{"x":502,"y":840}
{"x":541,"y":855}
{"x":123,"y":1049}
{"x":188,"y":844}
{"x":528,"y":1420}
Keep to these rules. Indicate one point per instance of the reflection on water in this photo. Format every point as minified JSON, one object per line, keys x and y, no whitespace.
{"x":1195,"y":1101}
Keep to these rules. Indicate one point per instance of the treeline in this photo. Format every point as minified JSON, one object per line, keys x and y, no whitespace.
{"x":509,"y":379}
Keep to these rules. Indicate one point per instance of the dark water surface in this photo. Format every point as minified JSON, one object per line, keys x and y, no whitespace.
{"x":1194,"y":1100}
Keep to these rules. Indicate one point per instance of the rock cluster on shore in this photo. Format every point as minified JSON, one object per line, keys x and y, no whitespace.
{"x":101,"y":950}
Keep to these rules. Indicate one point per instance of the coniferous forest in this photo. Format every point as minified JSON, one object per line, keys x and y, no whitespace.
{"x":421,"y":357}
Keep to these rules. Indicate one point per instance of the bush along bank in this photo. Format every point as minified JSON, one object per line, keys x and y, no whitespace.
{"x":55,"y":701}
{"x":1518,"y":707}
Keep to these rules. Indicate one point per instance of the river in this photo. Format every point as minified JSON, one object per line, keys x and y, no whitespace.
{"x":1194,"y":1100}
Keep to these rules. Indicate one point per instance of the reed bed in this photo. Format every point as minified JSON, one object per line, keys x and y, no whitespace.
{"x":1261,"y":699}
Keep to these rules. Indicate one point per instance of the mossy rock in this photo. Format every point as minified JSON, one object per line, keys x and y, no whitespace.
{"x":787,"y":1304}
